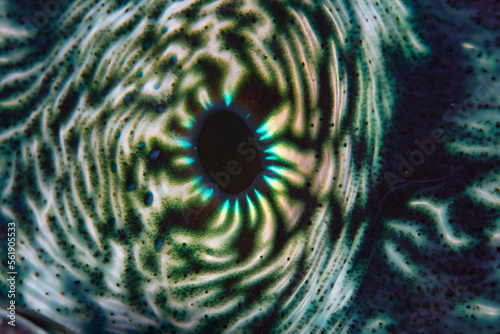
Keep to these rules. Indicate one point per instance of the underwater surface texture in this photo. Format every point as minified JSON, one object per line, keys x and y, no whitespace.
{"x":250,"y":166}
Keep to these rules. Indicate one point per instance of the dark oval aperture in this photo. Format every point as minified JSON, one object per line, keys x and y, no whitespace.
{"x":228,"y":152}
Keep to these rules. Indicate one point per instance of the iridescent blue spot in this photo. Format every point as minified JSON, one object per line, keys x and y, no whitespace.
{"x":146,"y":44}
{"x":141,"y":145}
{"x":113,"y":167}
{"x":183,"y":143}
{"x":153,"y":155}
{"x":111,"y":221}
{"x":164,"y":30}
{"x":210,"y":252}
{"x":160,"y":109}
{"x":158,"y":244}
{"x":131,"y":186}
{"x":156,"y":86}
{"x":139,"y":74}
{"x":148,"y":199}
{"x":128,"y":96}
{"x":173,"y":60}
{"x":118,"y":134}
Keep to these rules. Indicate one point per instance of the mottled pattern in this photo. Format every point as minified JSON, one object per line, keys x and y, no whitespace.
{"x":377,"y":126}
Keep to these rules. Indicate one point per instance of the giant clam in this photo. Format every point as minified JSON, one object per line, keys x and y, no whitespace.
{"x":251,"y":166}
